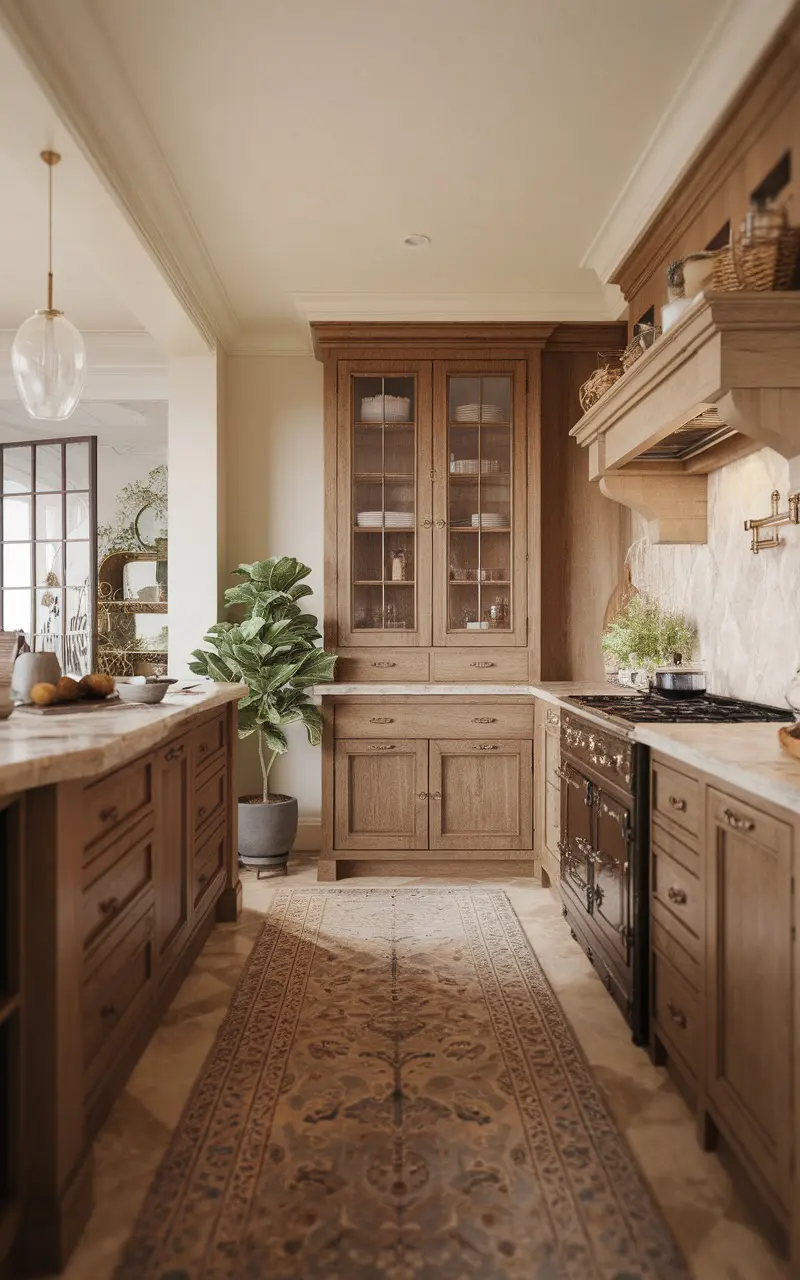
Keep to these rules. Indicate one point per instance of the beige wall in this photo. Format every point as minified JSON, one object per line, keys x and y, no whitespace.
{"x":274,"y":507}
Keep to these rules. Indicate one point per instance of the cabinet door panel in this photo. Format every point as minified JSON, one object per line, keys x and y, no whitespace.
{"x":171,"y":870}
{"x":481,"y":795}
{"x":611,"y":896}
{"x":749,"y":983}
{"x":479,"y":541}
{"x":384,"y":503}
{"x":381,"y":799}
{"x":576,"y":843}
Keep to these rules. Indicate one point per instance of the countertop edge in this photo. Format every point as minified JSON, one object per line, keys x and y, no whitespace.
{"x":68,"y":765}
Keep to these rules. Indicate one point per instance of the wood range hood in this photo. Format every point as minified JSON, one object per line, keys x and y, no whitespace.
{"x":721,"y":383}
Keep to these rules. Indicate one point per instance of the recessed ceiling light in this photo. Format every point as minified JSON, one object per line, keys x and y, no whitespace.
{"x":416,"y":241}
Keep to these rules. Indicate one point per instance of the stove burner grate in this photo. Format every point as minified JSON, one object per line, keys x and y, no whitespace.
{"x":654,"y":708}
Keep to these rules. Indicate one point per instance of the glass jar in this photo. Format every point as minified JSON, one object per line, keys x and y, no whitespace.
{"x":399,"y":565}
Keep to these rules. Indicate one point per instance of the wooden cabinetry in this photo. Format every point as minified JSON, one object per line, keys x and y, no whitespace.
{"x":547,"y":819}
{"x":724,"y":973}
{"x":395,"y":791}
{"x":124,"y":875}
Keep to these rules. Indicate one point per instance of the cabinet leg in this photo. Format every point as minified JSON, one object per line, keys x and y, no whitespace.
{"x":326,"y":870}
{"x":545,"y":878}
{"x":706,"y":1129}
{"x":658,"y":1053}
{"x":229,"y":904}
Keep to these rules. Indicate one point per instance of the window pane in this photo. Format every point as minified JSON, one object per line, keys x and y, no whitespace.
{"x":48,"y":516}
{"x":49,"y":564}
{"x":77,"y":515}
{"x":16,"y":519}
{"x":17,"y":611}
{"x":78,"y":466}
{"x":17,"y":470}
{"x":77,"y":608}
{"x":49,"y":612}
{"x":48,"y":468}
{"x":77,"y":563}
{"x":17,"y":564}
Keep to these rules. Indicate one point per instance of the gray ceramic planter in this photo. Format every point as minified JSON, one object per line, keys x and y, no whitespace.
{"x":267,"y":832}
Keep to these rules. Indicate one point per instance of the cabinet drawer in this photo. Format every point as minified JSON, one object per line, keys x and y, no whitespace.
{"x":385,"y":664}
{"x":474,"y":665}
{"x":406,"y":720}
{"x":208,"y":743}
{"x":679,"y":892}
{"x":682,"y":853}
{"x":208,"y":802}
{"x":115,"y":879}
{"x":683,"y":953}
{"x":677,"y":798}
{"x":744,"y":820}
{"x":118,"y":796}
{"x":115,"y":992}
{"x":208,"y":863}
{"x":675,"y":1009}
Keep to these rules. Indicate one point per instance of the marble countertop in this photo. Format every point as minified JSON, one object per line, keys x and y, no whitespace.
{"x":551,"y":690}
{"x":37,"y":750}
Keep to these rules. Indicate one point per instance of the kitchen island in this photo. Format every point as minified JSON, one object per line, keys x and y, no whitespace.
{"x":118,"y":852}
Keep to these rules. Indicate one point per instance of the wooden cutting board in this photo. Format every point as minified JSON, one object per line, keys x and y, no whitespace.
{"x":620,"y":597}
{"x":77,"y":708}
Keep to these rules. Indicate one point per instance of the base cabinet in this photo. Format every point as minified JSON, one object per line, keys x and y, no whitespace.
{"x":425,"y":796}
{"x":724,"y":974}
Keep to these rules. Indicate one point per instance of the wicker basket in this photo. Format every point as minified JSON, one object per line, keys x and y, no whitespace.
{"x":645,"y":338}
{"x":597,"y":384}
{"x":766,"y":265}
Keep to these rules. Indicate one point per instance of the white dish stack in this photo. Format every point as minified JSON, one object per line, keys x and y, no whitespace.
{"x":480,"y":413}
{"x":488,"y":520}
{"x":385,"y":409}
{"x":385,"y":519}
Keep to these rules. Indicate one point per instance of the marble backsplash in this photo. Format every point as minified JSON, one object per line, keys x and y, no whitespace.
{"x":746,"y":607}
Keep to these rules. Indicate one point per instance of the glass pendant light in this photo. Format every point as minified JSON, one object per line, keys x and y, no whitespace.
{"x":48,"y":355}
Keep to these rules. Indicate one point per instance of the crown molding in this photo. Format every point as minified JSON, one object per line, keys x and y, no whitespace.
{"x":470,"y":308}
{"x":119,"y":366}
{"x":67,"y":52}
{"x":729,"y":54}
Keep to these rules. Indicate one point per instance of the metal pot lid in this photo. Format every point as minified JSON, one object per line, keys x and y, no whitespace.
{"x":678,"y":669}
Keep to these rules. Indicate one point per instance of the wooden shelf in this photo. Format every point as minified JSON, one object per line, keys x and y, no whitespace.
{"x":505,"y":425}
{"x":463,"y":528}
{"x":733,"y":357}
{"x":383,"y":475}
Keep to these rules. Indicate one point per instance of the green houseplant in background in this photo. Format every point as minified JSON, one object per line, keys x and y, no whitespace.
{"x":272,"y":649}
{"x":646,"y":635}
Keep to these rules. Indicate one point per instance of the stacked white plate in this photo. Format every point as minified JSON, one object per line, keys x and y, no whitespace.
{"x":385,"y":519}
{"x":488,"y":520}
{"x":480,"y":413}
{"x":385,"y":409}
{"x":473,"y":466}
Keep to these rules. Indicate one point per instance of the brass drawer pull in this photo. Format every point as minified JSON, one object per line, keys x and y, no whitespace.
{"x":202,"y":748}
{"x":486,"y":746}
{"x":484,"y":720}
{"x":386,"y":746}
{"x":384,"y":664}
{"x":440,"y":524}
{"x":108,"y":905}
{"x":677,"y":803}
{"x":738,"y":824}
{"x":481,"y":665}
{"x":677,"y":895}
{"x":381,"y":720}
{"x":423,"y":795}
{"x":436,"y":795}
{"x":677,"y":1015}
{"x":173,"y":753}
{"x":108,"y":1011}
{"x":109,"y":814}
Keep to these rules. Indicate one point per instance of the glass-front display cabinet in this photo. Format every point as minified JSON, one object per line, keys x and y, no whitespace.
{"x":431,"y":504}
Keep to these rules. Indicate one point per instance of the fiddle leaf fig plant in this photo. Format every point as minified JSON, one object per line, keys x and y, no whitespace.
{"x":272,"y":650}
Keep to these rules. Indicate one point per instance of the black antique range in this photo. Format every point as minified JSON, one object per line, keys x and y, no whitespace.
{"x":605,"y":819}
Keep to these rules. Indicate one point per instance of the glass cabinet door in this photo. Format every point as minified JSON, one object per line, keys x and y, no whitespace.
{"x":480,"y":517}
{"x":387,"y":444}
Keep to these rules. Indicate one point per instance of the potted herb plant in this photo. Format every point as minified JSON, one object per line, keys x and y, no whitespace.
{"x":646,"y":635}
{"x":272,"y":650}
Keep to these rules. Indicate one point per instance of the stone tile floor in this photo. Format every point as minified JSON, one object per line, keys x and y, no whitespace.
{"x":709,"y":1219}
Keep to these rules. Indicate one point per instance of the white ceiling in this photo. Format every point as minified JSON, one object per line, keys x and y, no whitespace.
{"x":306,"y":138}
{"x":130,"y":426}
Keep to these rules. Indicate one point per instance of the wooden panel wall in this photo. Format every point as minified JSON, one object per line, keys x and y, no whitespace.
{"x":761,"y":125}
{"x":584,"y":536}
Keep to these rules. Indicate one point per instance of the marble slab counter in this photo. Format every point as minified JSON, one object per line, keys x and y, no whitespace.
{"x":37,"y":750}
{"x":552,"y":691}
{"x":747,"y":756}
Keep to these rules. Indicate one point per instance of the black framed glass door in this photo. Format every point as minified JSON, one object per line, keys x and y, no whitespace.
{"x":48,"y":531}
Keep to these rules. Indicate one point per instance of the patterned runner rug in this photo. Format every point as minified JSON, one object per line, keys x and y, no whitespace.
{"x":395,"y":1093}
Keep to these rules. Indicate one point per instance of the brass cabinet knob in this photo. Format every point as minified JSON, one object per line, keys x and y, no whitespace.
{"x":440,"y":524}
{"x":677,"y":895}
{"x":436,"y":795}
{"x":423,"y":795}
{"x":108,"y":905}
{"x":677,"y":1015}
{"x":109,"y":814}
{"x":676,"y":802}
{"x":427,"y":522}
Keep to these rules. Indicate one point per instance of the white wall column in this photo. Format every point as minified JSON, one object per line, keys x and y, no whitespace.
{"x":196,"y":498}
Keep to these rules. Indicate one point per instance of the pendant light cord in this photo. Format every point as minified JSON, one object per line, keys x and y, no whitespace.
{"x":49,"y":237}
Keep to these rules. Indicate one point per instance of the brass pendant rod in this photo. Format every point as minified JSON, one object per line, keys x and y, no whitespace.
{"x":51,"y":158}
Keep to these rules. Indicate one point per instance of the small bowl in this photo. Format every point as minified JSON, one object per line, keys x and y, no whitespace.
{"x":143,"y":689}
